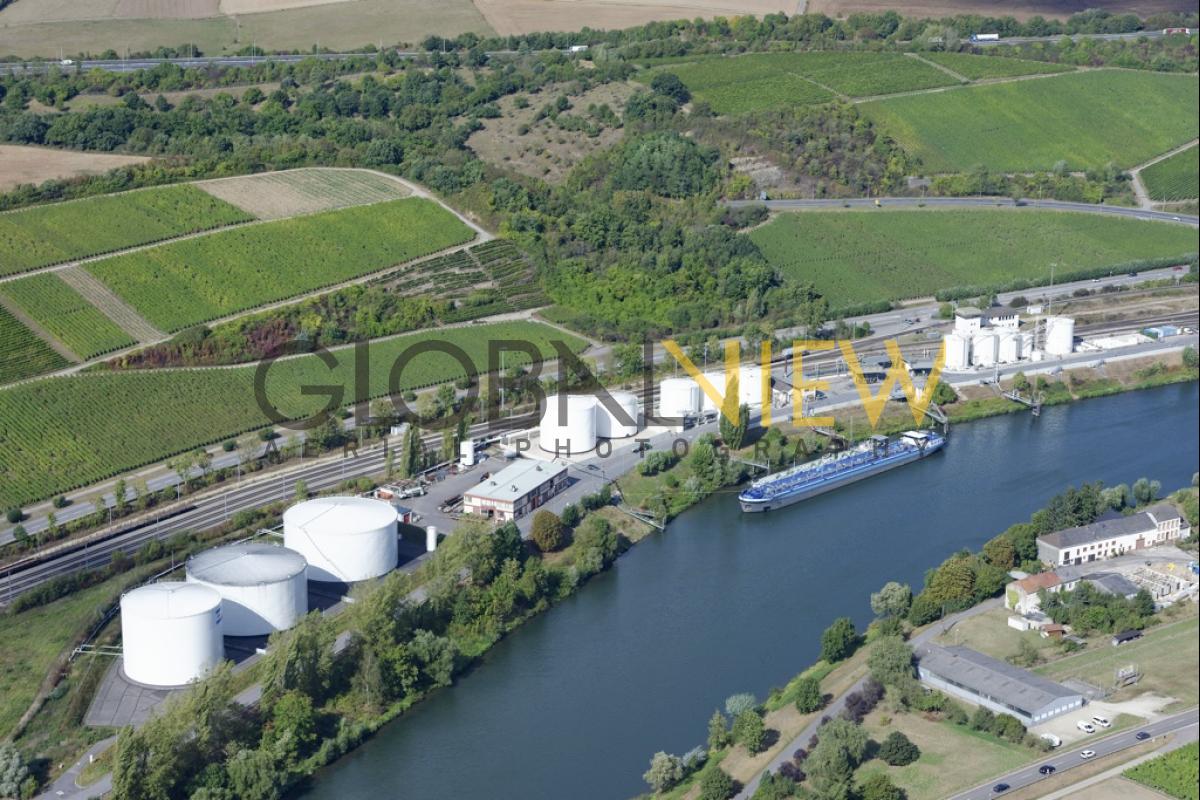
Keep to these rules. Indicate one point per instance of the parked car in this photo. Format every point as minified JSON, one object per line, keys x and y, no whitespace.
{"x":1000,"y":787}
{"x":1085,"y":726}
{"x":1101,"y":721}
{"x":1052,"y":739}
{"x":1086,"y":754}
{"x":1046,"y":769}
{"x":1141,"y":736}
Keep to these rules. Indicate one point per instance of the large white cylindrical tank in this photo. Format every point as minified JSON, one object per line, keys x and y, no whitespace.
{"x":609,"y":425}
{"x":170,"y":633}
{"x":750,"y":389}
{"x":678,"y":397}
{"x":1060,"y":336}
{"x":717,"y":381}
{"x":343,"y":538}
{"x":262,"y":586}
{"x":571,"y":431}
{"x":985,"y":348}
{"x":958,"y":351}
{"x":1010,"y":347}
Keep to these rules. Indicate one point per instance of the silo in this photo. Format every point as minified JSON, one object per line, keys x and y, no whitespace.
{"x":1060,"y":336}
{"x":958,"y":351}
{"x":262,"y":586}
{"x":570,"y":430}
{"x":609,"y":425}
{"x":984,"y":349}
{"x":170,"y":633}
{"x":678,"y":397}
{"x":343,"y":538}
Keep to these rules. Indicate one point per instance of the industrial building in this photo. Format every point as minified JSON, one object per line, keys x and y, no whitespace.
{"x":516,"y":490}
{"x":986,"y":339}
{"x":996,"y":685}
{"x":171,"y":633}
{"x":1107,"y":538}
{"x":344,"y":539}
{"x":262,"y":586}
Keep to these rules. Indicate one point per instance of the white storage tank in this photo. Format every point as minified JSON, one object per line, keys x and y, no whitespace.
{"x":343,"y":538}
{"x":678,"y":397}
{"x":570,"y":430}
{"x":985,"y":348}
{"x":262,"y":586}
{"x":609,"y":425}
{"x":750,"y":388}
{"x":170,"y":633}
{"x":1060,"y":336}
{"x":958,"y":351}
{"x":1010,"y":347}
{"x":717,"y":381}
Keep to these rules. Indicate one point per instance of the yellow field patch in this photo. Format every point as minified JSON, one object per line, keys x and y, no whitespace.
{"x":20,"y":164}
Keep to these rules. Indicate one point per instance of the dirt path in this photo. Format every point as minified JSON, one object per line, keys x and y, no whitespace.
{"x":983,"y":82}
{"x":935,"y":65}
{"x":111,"y":306}
{"x":1139,"y":188}
{"x":41,"y":332}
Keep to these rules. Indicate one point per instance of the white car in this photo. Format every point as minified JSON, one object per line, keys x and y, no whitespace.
{"x":1052,"y":739}
{"x":1086,"y":754}
{"x":1101,"y":721}
{"x":1085,"y":726}
{"x":66,"y":62}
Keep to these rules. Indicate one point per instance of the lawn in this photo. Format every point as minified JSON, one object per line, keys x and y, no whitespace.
{"x":1086,"y":119}
{"x":1176,"y":773}
{"x":1174,"y":178}
{"x":854,"y":257}
{"x":988,"y":633}
{"x":196,"y":280}
{"x":61,"y":433}
{"x":62,"y":311}
{"x":978,"y":67}
{"x":1167,"y":656}
{"x":733,"y":85}
{"x":22,"y":352}
{"x":952,"y":758}
{"x":51,"y":234}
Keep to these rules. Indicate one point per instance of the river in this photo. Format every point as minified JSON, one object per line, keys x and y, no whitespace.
{"x":575,"y":702}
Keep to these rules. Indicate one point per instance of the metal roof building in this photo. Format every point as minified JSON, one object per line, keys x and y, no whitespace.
{"x":516,"y":490}
{"x":1105,"y":538}
{"x":999,"y":686}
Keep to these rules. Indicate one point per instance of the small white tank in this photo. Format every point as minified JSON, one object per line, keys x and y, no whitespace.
{"x":262,"y":586}
{"x":678,"y":397}
{"x":1060,"y":336}
{"x":958,"y":351}
{"x":608,"y":425}
{"x":572,"y":431}
{"x":344,"y":539}
{"x":170,"y":633}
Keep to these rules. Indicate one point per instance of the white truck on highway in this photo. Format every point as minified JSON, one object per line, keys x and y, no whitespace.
{"x":985,"y":37}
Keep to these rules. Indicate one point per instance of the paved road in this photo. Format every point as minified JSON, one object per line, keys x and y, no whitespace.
{"x":1155,"y":34}
{"x":970,"y":202}
{"x":65,"y":787}
{"x":1068,"y":758}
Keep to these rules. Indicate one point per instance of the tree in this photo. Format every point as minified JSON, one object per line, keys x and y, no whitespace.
{"x":666,"y":770}
{"x":300,"y":659}
{"x":841,"y":746}
{"x":839,"y":640}
{"x":570,"y":515}
{"x":898,"y":750}
{"x":891,"y":662}
{"x":1006,"y":726}
{"x":892,"y":600}
{"x":982,"y":719}
{"x":735,"y":418}
{"x":1190,"y":357}
{"x":1000,"y":552}
{"x":12,"y":770}
{"x":292,"y":731}
{"x":880,"y":787}
{"x":410,"y":455}
{"x":1146,"y":491}
{"x":735,"y":704}
{"x":809,"y":697}
{"x":547,"y":531}
{"x":301,"y":490}
{"x":749,"y":730}
{"x":716,"y":785}
{"x":253,"y":775}
{"x":669,"y":84}
{"x":718,"y":731}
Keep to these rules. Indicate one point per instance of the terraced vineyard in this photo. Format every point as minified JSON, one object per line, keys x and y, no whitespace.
{"x":1086,"y":119}
{"x":979,"y":67}
{"x":62,"y":311}
{"x":734,"y":85}
{"x":854,"y":257}
{"x":200,"y":279}
{"x":1174,"y":178}
{"x":66,"y":432}
{"x":22,"y":353}
{"x":44,"y":235}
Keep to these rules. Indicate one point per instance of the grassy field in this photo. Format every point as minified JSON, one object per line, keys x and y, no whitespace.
{"x":1174,"y":178}
{"x":22,"y":352}
{"x":61,"y":433}
{"x":1167,"y":656}
{"x":988,"y":633}
{"x":859,"y":256}
{"x":978,"y":67}
{"x":733,"y":85}
{"x":66,"y":315}
{"x":275,"y":195}
{"x":1086,"y":119}
{"x":43,"y":235}
{"x":1176,"y":773}
{"x":195,"y":280}
{"x":952,"y":757}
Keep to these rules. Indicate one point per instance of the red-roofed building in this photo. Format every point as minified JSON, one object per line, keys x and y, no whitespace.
{"x":1022,"y":596}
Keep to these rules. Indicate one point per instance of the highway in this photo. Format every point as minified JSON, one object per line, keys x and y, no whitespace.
{"x":1065,"y":759}
{"x":968,"y":202}
{"x":1155,"y":34}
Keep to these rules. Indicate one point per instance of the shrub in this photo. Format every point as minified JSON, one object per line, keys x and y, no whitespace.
{"x":898,"y":750}
{"x":716,"y":785}
{"x":547,"y":531}
{"x":749,"y":731}
{"x":665,"y":771}
{"x":839,"y":640}
{"x":14,"y":515}
{"x":809,"y":697}
{"x":571,"y":515}
{"x":735,"y":704}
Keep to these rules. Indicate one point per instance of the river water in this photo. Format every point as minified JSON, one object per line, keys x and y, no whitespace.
{"x":574,"y":703}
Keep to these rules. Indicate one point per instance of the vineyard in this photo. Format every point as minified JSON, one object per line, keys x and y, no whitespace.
{"x":1174,"y":178}
{"x":979,"y":67}
{"x":196,"y":280}
{"x":66,"y":315}
{"x":275,"y":195}
{"x":854,"y":257}
{"x":61,"y":433}
{"x":733,"y":85}
{"x":22,"y":353}
{"x":1085,"y":119}
{"x":44,"y":235}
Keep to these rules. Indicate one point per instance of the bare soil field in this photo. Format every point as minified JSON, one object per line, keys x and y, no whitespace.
{"x":259,"y":6}
{"x":546,"y":151}
{"x":275,"y":195}
{"x":31,"y":11}
{"x":528,"y":16}
{"x":20,"y":164}
{"x":1020,"y":9}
